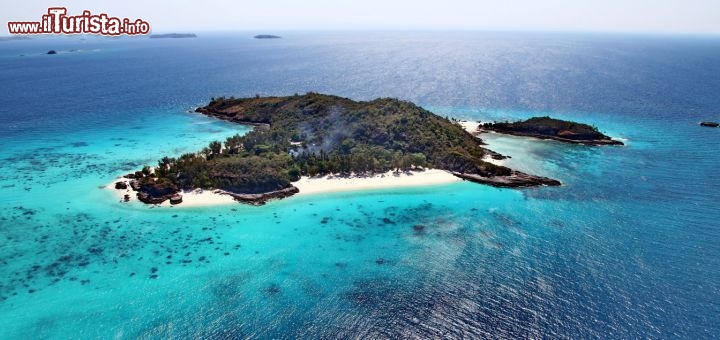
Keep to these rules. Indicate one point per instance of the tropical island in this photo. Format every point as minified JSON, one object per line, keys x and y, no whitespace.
{"x":312,"y":135}
{"x":173,"y":36}
{"x":555,"y":129}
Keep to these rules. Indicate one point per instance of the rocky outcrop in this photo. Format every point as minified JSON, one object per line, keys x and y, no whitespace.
{"x":495,"y":155}
{"x":176,"y":199}
{"x":149,"y":199}
{"x":121,"y":185}
{"x":135,"y":175}
{"x":229,"y":116}
{"x":152,"y":192}
{"x":710,"y":124}
{"x":516,"y":179}
{"x":262,"y":198}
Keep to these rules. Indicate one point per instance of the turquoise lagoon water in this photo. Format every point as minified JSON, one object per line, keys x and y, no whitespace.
{"x":626,"y":248}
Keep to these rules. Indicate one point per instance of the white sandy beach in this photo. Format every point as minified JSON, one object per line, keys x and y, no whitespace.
{"x":201,"y":198}
{"x":379,"y":181}
{"x":309,"y":186}
{"x":470,"y":125}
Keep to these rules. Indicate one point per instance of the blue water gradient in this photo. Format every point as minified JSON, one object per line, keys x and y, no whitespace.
{"x":626,"y":248}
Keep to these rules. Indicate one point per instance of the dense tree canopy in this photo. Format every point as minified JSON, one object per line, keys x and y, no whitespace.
{"x":316,"y":134}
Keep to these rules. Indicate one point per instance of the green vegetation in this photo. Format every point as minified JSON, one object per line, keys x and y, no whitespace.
{"x":316,"y":134}
{"x":550,"y":128}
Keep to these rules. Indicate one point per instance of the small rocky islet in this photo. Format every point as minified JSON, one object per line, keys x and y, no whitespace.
{"x":555,"y":129}
{"x":316,"y":134}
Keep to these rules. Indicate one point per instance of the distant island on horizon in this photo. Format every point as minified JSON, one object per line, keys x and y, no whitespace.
{"x":173,"y":36}
{"x":315,"y":135}
{"x":267,"y":36}
{"x":15,"y":37}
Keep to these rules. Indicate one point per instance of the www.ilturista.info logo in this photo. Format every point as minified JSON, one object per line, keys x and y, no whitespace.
{"x":56,"y":21}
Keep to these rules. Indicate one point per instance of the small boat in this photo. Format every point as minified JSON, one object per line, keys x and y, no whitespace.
{"x":710,"y":124}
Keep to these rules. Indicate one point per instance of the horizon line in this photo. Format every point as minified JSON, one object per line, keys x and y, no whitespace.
{"x":388,"y":30}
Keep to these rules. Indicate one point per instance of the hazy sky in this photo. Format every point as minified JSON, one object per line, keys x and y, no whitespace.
{"x":683,"y":16}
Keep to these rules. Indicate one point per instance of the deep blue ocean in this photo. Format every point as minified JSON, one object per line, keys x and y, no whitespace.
{"x":628,"y":247}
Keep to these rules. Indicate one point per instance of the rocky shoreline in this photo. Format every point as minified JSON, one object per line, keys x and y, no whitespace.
{"x":595,"y":142}
{"x":495,"y":155}
{"x":515,"y":180}
{"x":262,"y":198}
{"x":150,"y":192}
{"x":225,"y":116}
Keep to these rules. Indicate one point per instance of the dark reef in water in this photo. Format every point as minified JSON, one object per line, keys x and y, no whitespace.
{"x":80,"y":244}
